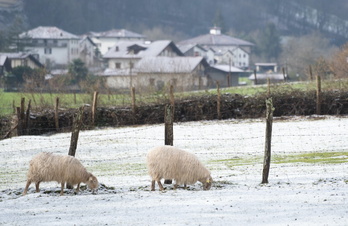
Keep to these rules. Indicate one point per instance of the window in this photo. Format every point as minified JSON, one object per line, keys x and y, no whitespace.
{"x":74,"y":51}
{"x":117,"y":65}
{"x":48,"y":51}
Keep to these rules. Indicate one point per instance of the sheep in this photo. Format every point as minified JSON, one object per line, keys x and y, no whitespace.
{"x":46,"y":167}
{"x":173,"y":163}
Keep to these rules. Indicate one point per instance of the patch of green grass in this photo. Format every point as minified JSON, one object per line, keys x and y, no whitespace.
{"x":237,"y":161}
{"x":318,"y":157}
{"x":312,"y":158}
{"x":47,"y":100}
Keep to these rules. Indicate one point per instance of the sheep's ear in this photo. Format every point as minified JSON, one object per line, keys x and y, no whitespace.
{"x":90,"y":179}
{"x":208,"y":180}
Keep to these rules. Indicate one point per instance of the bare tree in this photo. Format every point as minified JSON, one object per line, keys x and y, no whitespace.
{"x":339,"y":63}
{"x":299,"y":53}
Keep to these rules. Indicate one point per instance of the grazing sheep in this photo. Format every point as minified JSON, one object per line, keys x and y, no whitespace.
{"x":63,"y":169}
{"x":172,"y":163}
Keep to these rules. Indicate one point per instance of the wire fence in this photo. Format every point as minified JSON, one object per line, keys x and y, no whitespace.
{"x":225,"y":146}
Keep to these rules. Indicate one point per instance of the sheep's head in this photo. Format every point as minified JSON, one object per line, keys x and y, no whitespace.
{"x":92,"y":182}
{"x":207,"y":183}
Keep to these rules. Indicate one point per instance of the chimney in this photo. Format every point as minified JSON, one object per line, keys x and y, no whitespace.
{"x":215,"y":31}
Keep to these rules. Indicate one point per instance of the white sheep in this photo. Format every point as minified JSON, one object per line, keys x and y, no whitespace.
{"x":172,"y":163}
{"x":63,"y":169}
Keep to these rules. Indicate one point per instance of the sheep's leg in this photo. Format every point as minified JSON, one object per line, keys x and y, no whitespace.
{"x":185,"y":187}
{"x":26,"y":187}
{"x":153,"y":185}
{"x":37,"y":184}
{"x":62,"y":188}
{"x":78,"y":188}
{"x":160,"y":185}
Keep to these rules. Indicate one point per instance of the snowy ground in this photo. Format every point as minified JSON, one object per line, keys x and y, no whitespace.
{"x":308,"y":181}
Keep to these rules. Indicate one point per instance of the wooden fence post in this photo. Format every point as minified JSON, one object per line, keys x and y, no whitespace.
{"x":27,"y":117}
{"x":310,"y":73}
{"x":134,"y":108}
{"x":318,"y":95}
{"x":94,"y":107}
{"x":75,"y":131}
{"x":56,"y":116}
{"x":255,"y":77}
{"x":21,"y":119}
{"x":75,"y":136}
{"x":267,"y":157}
{"x":168,"y":123}
{"x":74,"y":98}
{"x":168,"y":131}
{"x":14,"y":107}
{"x":19,"y":122}
{"x":22,"y":109}
{"x":218,"y":104}
{"x":284,"y":75}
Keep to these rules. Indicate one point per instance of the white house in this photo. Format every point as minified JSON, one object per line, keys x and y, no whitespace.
{"x":265,"y":71}
{"x":125,"y":54}
{"x":55,"y":47}
{"x":23,"y":59}
{"x":155,"y":73}
{"x":105,"y":40}
{"x":198,"y":50}
{"x":225,"y":48}
{"x":89,"y":53}
{"x":153,"y":65}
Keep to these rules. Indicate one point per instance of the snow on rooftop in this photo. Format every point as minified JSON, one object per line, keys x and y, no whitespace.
{"x":168,"y":64}
{"x":48,"y":33}
{"x":117,"y":33}
{"x":227,"y":68}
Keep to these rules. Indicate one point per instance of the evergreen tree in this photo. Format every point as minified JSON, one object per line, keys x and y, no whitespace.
{"x":78,"y":71}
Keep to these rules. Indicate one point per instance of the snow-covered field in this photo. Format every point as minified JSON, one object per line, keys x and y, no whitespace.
{"x":308,"y":181}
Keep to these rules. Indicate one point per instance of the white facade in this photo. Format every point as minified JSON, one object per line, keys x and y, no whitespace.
{"x":107,"y":39}
{"x":224,"y":48}
{"x":54,"y":46}
{"x":87,"y":51}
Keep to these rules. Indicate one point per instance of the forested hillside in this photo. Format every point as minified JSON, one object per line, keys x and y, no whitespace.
{"x":180,"y":17}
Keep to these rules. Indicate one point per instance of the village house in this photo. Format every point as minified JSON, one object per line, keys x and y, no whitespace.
{"x":226,"y":75}
{"x":265,"y":72}
{"x":5,"y":65}
{"x":198,"y":50}
{"x":125,"y":54}
{"x":89,"y":53}
{"x":54,"y":47}
{"x":225,"y":48}
{"x":152,"y":65}
{"x":184,"y":73}
{"x":105,"y":40}
{"x":23,"y":59}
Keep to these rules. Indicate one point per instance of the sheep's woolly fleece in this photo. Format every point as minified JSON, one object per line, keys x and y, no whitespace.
{"x":47,"y":166}
{"x":308,"y":181}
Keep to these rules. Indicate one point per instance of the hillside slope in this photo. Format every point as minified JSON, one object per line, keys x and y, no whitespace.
{"x":192,"y":17}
